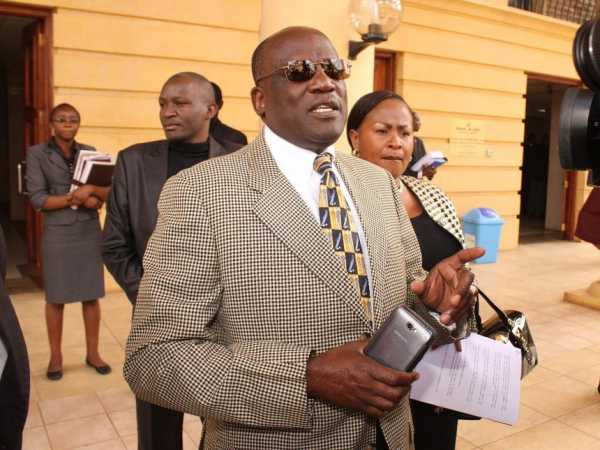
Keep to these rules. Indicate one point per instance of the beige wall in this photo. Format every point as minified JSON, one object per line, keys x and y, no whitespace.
{"x":112,"y":57}
{"x":458,"y":59}
{"x":467,"y":59}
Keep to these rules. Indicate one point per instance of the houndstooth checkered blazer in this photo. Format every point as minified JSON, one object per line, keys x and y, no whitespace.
{"x":240,"y":286}
{"x":441,"y":209}
{"x":437,"y":205}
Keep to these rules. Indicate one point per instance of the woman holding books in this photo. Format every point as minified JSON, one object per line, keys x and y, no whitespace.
{"x":71,"y":239}
{"x":381,"y":130}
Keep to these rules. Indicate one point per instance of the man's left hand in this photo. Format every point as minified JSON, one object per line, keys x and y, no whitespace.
{"x":448,"y":289}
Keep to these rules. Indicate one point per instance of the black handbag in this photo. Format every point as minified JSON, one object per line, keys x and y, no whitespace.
{"x":510,"y":326}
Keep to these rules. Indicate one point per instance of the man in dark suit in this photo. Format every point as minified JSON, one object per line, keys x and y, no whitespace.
{"x":14,"y":368}
{"x":187,"y":105}
{"x":218,"y":129}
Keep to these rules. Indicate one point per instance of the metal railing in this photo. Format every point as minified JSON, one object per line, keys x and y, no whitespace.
{"x":577,"y":11}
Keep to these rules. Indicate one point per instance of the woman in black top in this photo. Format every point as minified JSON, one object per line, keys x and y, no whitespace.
{"x":381,"y":130}
{"x":71,"y":255}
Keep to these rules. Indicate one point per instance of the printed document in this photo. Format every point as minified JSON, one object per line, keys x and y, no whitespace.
{"x":483,"y":380}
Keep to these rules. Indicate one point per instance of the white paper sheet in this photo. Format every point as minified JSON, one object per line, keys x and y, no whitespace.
{"x":483,"y":380}
{"x":433,"y":158}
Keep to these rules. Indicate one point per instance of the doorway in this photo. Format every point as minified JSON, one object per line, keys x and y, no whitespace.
{"x":384,"y":77}
{"x":25,"y":99}
{"x":546,"y":203}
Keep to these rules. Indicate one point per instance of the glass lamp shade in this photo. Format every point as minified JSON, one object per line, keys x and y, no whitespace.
{"x":375,"y":17}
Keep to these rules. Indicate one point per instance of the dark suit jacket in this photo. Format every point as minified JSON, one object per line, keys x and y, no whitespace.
{"x":48,"y":174}
{"x":14,"y":382}
{"x":131,"y":211}
{"x":224,"y":133}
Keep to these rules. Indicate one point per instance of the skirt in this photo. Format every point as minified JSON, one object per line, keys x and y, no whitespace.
{"x":72,"y":262}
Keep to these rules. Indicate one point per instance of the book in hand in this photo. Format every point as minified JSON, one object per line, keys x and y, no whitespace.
{"x":92,"y":167}
{"x":431,"y":159}
{"x":100,"y":174}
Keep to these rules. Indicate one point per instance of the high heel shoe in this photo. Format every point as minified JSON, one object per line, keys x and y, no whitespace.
{"x":54,"y":375}
{"x":102,"y":370}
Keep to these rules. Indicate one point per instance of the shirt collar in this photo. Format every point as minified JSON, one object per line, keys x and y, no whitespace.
{"x":285,"y":150}
{"x":53,"y":145}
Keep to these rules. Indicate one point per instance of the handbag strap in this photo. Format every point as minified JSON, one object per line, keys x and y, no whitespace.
{"x":519,"y":339}
{"x":503,"y":317}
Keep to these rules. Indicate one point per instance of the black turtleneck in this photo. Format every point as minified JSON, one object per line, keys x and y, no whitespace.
{"x":183,"y":155}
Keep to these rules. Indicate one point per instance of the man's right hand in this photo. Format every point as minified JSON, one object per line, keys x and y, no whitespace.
{"x":346,"y":377}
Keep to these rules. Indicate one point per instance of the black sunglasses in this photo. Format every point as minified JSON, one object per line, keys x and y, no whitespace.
{"x":301,"y":70}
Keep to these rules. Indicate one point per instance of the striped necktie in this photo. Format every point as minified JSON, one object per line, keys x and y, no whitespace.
{"x":337,"y":223}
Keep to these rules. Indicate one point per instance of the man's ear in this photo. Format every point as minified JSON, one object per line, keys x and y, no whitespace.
{"x":258,"y":100}
{"x":211,"y":111}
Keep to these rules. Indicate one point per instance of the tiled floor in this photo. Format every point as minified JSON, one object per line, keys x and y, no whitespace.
{"x":560,"y":407}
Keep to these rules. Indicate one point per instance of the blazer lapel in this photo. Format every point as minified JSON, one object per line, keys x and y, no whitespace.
{"x":284,"y":212}
{"x":215,"y":148}
{"x":373,"y":225}
{"x":436,"y":205}
{"x":55,"y":159}
{"x":155,"y":168}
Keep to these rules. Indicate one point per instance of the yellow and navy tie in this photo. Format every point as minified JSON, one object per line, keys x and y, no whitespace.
{"x":337,"y":223}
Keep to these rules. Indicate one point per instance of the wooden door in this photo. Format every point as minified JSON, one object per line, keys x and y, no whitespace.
{"x":570,"y":213}
{"x":385,"y":71}
{"x":36,"y":130}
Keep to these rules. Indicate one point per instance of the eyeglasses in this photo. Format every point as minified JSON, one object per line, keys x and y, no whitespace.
{"x":62,"y":120}
{"x":301,"y":70}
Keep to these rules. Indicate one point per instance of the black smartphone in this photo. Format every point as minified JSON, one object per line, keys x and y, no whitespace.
{"x":401,"y":341}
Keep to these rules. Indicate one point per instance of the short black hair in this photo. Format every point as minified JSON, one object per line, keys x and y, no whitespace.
{"x":62,"y":107}
{"x":367,"y":103}
{"x":201,"y":80}
{"x":218,"y":94}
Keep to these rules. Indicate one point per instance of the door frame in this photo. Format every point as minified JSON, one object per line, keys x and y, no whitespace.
{"x":570,"y":179}
{"x":40,"y":89}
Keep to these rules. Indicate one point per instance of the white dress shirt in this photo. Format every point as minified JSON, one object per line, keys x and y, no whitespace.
{"x":296,"y":163}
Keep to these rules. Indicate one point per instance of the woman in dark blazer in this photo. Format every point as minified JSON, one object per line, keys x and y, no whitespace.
{"x":71,"y":240}
{"x":381,"y":130}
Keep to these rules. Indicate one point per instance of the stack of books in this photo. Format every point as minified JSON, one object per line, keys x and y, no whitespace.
{"x":92,"y":167}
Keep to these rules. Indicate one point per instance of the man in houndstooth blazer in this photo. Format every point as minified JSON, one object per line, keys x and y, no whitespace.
{"x":246,"y":316}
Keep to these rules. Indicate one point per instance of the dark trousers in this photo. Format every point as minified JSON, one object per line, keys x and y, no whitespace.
{"x":158,"y":428}
{"x":433,"y":430}
{"x":380,"y":443}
